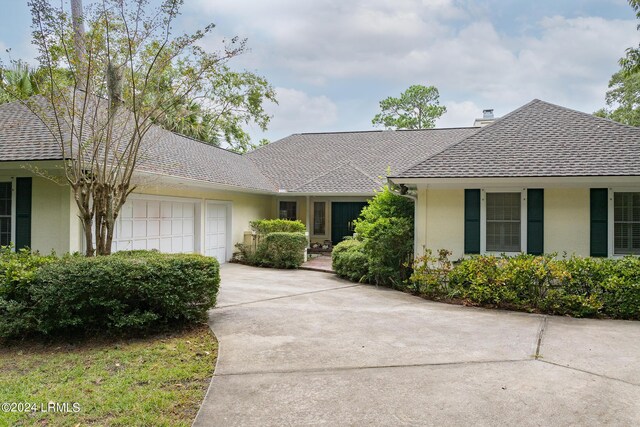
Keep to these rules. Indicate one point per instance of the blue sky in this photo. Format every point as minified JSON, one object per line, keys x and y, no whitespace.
{"x":332,"y":61}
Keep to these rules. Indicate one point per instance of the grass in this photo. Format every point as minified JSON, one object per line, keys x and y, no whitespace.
{"x":159,"y":381}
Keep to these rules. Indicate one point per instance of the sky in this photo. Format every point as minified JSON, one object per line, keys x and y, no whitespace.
{"x":332,"y":61}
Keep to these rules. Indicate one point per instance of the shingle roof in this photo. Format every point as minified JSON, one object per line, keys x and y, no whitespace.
{"x":299,"y":163}
{"x":346,"y":178}
{"x":169,"y":153}
{"x":24,"y":137}
{"x":539,"y":140}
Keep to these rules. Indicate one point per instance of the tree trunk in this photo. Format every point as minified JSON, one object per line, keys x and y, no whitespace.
{"x":88,"y":237}
{"x":77,"y":19}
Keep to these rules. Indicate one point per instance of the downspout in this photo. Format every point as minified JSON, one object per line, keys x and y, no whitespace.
{"x":308,"y":224}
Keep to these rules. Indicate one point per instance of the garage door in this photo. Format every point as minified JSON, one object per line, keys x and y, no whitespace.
{"x":215,"y":242}
{"x":167,"y":226}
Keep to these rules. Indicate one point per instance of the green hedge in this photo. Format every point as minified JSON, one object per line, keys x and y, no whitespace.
{"x":349,"y":260}
{"x":579,"y":287}
{"x":385,"y":230}
{"x":125,"y":293}
{"x":281,"y":250}
{"x":266,"y":226}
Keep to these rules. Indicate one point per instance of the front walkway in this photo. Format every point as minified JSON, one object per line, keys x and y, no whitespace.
{"x":318,"y":263}
{"x":305,"y":348}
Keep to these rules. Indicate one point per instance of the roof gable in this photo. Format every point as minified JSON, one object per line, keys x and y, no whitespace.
{"x":346,"y":178}
{"x":539,"y":140}
{"x":294,"y":161}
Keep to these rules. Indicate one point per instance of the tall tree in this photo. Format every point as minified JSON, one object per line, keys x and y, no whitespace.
{"x":101,"y":107}
{"x":218,"y":114}
{"x":623,"y":99}
{"x":417,"y":108}
{"x":630,"y":63}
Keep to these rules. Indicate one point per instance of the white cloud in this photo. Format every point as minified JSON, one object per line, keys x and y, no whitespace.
{"x":299,"y":112}
{"x":460,"y":114}
{"x":371,"y":49}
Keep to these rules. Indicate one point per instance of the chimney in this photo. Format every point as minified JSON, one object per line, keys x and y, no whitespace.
{"x":487,"y":118}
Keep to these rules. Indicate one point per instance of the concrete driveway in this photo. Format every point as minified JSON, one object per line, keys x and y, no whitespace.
{"x":306,"y":348}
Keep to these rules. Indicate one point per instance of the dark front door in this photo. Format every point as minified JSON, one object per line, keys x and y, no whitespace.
{"x":342,"y":216}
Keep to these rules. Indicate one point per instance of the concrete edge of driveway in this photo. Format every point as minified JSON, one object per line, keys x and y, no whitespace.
{"x":215,"y":368}
{"x":559,"y":325}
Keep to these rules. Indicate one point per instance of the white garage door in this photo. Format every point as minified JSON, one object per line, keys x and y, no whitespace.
{"x":167,"y":226}
{"x":215,"y":242}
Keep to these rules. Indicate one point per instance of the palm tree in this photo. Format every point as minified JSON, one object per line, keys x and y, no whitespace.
{"x":17,"y":82}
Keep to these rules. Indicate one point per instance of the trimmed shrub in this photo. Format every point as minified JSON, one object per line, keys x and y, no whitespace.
{"x":281,"y":250}
{"x":126,"y":293}
{"x":266,"y":226}
{"x":579,"y":287}
{"x":349,"y":260}
{"x":384,"y":231}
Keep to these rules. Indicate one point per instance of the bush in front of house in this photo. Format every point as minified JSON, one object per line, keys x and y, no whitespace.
{"x":17,"y":272}
{"x":120,"y":294}
{"x":579,"y":287}
{"x":349,"y":260}
{"x":278,"y":243}
{"x":281,"y":250}
{"x":266,"y":226}
{"x":385,"y":228}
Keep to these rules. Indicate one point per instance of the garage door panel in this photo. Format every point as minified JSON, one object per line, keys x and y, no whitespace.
{"x":165,"y":244}
{"x":126,"y":211}
{"x":153,"y":209}
{"x":125,"y":228}
{"x":216,"y":231}
{"x":165,"y":209}
{"x":139,"y":228}
{"x":153,"y":244}
{"x":139,"y":209}
{"x":139,"y":244}
{"x":153,"y":228}
{"x":168,"y":226}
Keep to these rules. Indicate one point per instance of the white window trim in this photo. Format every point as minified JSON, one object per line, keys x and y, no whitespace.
{"x":12,"y":180}
{"x":611,"y":221}
{"x":483,"y":219}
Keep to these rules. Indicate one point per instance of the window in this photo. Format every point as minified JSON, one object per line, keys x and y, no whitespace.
{"x":626,"y":223}
{"x":288,"y":211}
{"x":503,"y":224}
{"x":5,"y":213}
{"x":319,"y":218}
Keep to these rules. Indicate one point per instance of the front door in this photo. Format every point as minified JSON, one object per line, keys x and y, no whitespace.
{"x":342,"y":216}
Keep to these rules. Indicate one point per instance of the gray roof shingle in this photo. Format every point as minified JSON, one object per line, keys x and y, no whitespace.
{"x":299,"y":163}
{"x":539,"y":140}
{"x":346,"y":178}
{"x":24,"y":137}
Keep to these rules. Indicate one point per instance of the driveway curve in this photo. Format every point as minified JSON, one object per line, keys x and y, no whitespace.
{"x":306,"y":348}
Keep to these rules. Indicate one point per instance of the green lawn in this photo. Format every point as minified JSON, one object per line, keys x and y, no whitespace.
{"x":157,"y":381}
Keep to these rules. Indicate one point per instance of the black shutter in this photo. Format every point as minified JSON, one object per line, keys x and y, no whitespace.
{"x":471,"y":221}
{"x":599,"y":222}
{"x":535,"y":221}
{"x":23,"y":213}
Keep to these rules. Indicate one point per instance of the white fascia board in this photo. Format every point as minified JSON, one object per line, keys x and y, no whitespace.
{"x":529,"y":182}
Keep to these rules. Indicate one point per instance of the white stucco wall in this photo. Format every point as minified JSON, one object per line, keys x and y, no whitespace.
{"x":566,"y":221}
{"x":444,"y":221}
{"x":440,"y":220}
